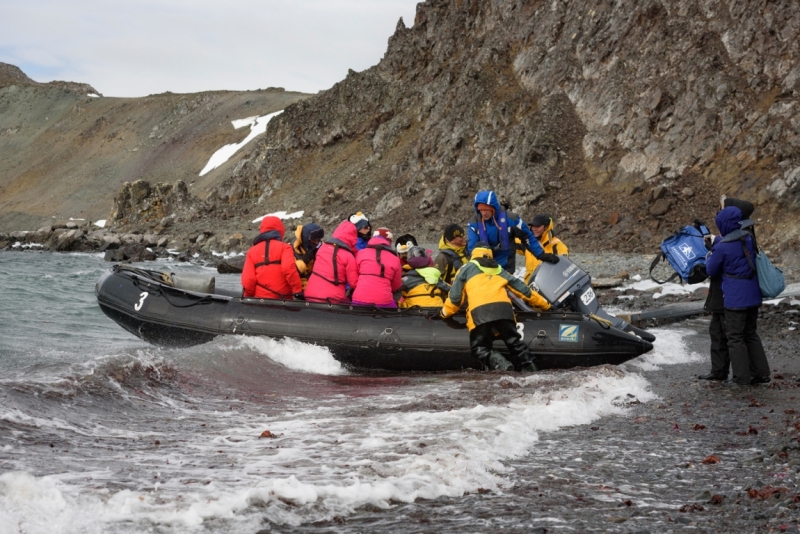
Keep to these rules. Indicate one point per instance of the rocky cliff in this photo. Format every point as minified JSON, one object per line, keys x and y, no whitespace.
{"x":65,"y":154}
{"x":621,"y":119}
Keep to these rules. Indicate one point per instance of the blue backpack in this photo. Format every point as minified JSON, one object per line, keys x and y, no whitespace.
{"x":686,"y":252}
{"x":770,"y":278}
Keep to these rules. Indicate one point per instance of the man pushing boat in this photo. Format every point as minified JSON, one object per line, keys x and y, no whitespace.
{"x":483,"y":283}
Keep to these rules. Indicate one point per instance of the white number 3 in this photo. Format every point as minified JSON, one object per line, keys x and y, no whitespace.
{"x":521,"y":330}
{"x":143,"y":296}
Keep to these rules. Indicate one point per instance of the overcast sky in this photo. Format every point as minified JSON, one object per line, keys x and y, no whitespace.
{"x":141,"y":47}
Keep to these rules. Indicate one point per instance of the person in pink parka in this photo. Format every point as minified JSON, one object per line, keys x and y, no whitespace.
{"x":380,"y":274}
{"x":334,"y":267}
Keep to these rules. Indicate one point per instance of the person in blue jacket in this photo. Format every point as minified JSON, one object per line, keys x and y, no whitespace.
{"x":496,"y":226}
{"x":733,"y":258}
{"x":364,"y":229}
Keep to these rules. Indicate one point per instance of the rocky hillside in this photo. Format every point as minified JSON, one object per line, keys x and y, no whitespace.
{"x":623,"y":120}
{"x":65,"y":154}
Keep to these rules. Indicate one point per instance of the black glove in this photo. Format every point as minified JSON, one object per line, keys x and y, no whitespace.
{"x":309,"y":256}
{"x":299,"y":296}
{"x":549,"y":258}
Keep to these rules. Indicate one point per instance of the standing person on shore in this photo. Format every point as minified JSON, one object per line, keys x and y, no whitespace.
{"x":493,"y":225}
{"x":715,"y":305}
{"x":452,"y":252}
{"x":334,"y":267}
{"x":732,"y":258}
{"x":269,"y":270}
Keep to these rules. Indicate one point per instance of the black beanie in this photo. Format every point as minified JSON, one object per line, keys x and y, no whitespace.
{"x":453,"y":231}
{"x":744,"y":206}
{"x":540,"y":220}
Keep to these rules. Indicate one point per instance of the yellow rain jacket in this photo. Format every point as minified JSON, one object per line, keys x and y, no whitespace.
{"x":423,"y":288}
{"x":449,"y":260}
{"x":303,"y":269}
{"x":484,"y":285}
{"x":550,"y":244}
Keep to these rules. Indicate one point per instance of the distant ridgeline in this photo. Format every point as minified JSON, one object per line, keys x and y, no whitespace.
{"x":12,"y":75}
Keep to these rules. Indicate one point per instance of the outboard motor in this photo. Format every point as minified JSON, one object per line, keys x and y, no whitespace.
{"x":564,"y":284}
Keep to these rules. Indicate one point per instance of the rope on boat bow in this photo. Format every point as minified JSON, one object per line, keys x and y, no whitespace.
{"x":605,"y":323}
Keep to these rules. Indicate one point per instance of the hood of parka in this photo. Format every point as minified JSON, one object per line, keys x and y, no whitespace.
{"x":271,"y":223}
{"x":728,"y":220}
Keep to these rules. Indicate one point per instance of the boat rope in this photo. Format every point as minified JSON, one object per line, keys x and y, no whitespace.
{"x":159,"y":290}
{"x":603,"y":322}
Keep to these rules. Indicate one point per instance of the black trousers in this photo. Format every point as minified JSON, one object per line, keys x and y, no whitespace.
{"x":720,"y":359}
{"x":482,"y":337}
{"x":748,"y":359}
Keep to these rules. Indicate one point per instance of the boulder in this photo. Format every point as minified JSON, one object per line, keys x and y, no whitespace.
{"x":660,"y":207}
{"x":232,"y":265}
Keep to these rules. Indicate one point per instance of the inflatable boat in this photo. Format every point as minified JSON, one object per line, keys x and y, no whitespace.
{"x":172,"y":310}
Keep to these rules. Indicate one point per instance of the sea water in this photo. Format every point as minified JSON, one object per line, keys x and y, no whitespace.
{"x":101,"y":432}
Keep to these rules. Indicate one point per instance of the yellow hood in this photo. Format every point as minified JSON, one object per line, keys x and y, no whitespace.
{"x":461,"y":251}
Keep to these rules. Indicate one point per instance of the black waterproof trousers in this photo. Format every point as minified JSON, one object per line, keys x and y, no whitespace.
{"x":482,"y":337}
{"x":748,"y":359}
{"x":720,"y":359}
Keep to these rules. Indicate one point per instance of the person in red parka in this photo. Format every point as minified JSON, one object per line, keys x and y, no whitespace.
{"x":380,"y":274}
{"x":270,"y":271}
{"x":334,"y":267}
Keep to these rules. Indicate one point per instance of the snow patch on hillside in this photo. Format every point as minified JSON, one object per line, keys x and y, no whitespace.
{"x":258,"y":125}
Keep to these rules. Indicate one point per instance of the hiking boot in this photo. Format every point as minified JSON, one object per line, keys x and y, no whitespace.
{"x":528,"y":367}
{"x":760,"y":380}
{"x":712,"y":376}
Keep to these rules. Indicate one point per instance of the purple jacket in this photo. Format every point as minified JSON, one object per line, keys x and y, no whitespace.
{"x":739,"y":281}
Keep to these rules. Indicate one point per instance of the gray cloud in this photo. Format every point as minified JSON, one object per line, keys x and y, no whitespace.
{"x":151,"y":46}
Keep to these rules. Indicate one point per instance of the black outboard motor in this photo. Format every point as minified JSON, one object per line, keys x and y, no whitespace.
{"x":564,"y":284}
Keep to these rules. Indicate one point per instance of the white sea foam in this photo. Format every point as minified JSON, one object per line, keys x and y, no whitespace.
{"x":670,"y":348}
{"x":296,"y":355}
{"x":324,"y":462}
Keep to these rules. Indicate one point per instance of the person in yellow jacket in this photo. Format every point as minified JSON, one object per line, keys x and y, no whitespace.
{"x":306,"y":242}
{"x":484,"y":284}
{"x":542,"y":228}
{"x":452,"y":252}
{"x":422,"y":285}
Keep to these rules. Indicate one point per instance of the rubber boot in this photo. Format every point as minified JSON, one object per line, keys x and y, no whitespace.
{"x":483,"y":355}
{"x":498,"y":363}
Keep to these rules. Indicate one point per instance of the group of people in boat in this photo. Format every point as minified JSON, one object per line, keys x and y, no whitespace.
{"x":363,"y":267}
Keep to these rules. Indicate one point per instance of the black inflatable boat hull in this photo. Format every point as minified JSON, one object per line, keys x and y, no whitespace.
{"x":367,"y":338}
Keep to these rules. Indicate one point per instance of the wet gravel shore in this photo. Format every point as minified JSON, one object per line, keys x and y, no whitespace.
{"x":702,"y":458}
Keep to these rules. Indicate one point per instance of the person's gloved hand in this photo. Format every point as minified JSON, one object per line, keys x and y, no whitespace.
{"x":443,"y":314}
{"x":549,"y":258}
{"x":309,"y":256}
{"x":708,"y":239}
{"x":299,"y":296}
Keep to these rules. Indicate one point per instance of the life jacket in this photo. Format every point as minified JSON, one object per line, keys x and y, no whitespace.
{"x":423,"y":288}
{"x":337,"y":244}
{"x":501,"y":222}
{"x":455,"y":262}
{"x":378,"y":249}
{"x":267,"y":264}
{"x":550,"y":244}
